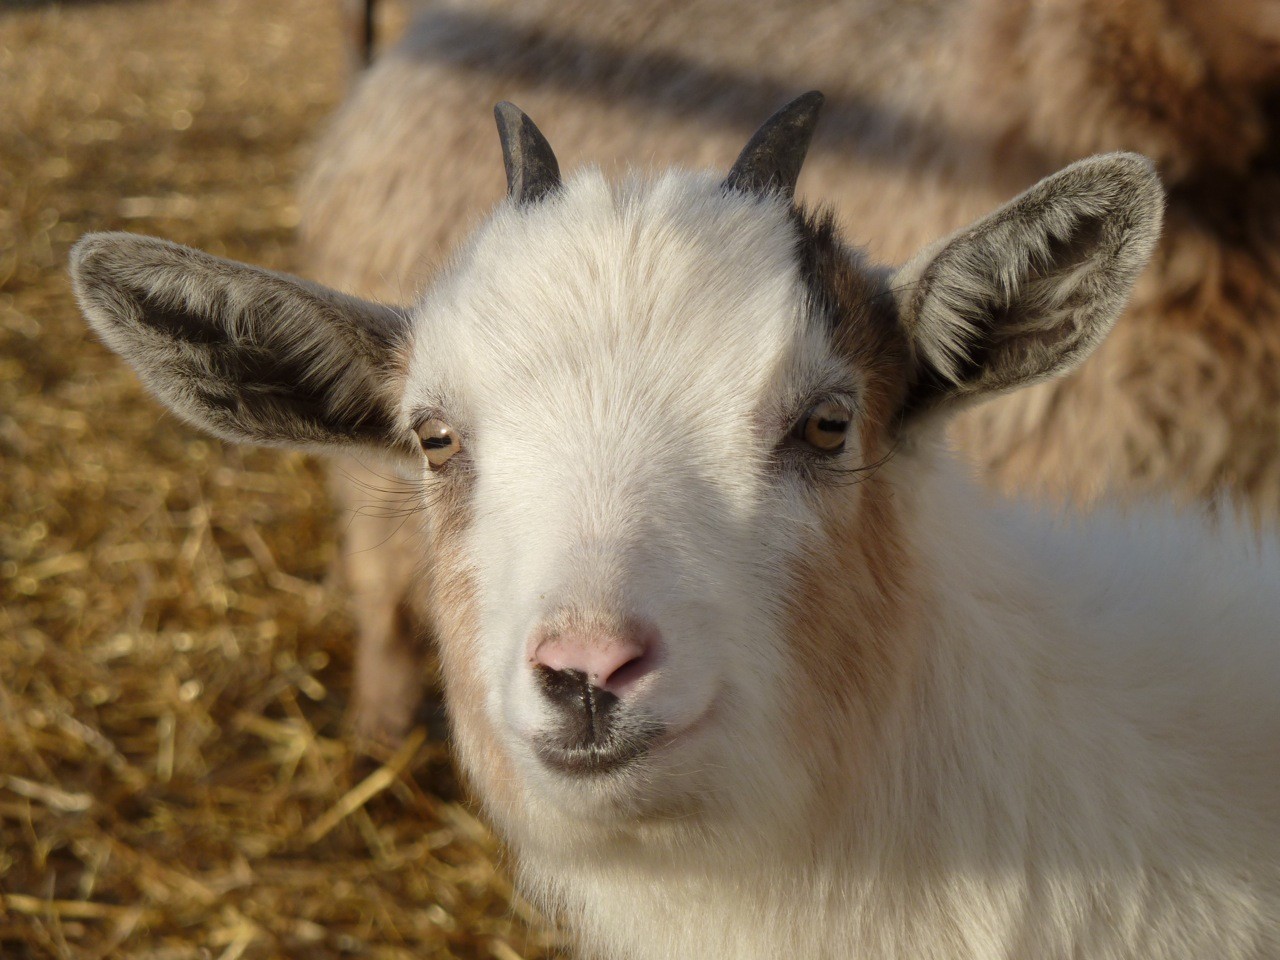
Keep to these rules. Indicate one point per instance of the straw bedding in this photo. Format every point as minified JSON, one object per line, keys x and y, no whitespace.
{"x":174,"y":661}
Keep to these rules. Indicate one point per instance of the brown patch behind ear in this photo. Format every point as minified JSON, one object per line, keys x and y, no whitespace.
{"x":862,"y":313}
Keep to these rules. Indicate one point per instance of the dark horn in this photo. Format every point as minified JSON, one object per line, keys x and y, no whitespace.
{"x":532,"y":171}
{"x":771,"y":160}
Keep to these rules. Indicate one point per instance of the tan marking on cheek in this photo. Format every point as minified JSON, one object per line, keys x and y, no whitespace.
{"x":849,"y":631}
{"x":850,"y":616}
{"x":486,"y":766}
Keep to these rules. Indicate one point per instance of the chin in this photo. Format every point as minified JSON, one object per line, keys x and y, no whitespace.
{"x":582,"y":796}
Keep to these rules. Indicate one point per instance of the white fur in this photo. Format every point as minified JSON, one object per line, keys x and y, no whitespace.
{"x":1085,"y":762}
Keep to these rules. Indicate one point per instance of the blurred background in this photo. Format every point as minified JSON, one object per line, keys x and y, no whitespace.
{"x":176,"y":780}
{"x":173,"y":663}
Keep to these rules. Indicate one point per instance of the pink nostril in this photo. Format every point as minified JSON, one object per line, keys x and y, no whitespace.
{"x":611,"y":660}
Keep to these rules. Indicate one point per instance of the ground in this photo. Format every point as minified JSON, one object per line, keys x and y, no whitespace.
{"x":174,"y":660}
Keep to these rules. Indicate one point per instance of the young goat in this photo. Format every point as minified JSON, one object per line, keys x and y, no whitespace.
{"x":736,"y":659}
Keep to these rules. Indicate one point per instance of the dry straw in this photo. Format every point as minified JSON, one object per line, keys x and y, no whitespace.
{"x":174,"y":781}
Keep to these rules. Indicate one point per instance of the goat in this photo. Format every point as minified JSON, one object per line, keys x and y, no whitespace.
{"x":941,"y":110}
{"x":736,"y":657}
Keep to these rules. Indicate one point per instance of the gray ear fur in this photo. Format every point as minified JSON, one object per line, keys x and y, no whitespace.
{"x":772,"y":158}
{"x":247,"y":354}
{"x":532,"y":170}
{"x":1029,"y":291}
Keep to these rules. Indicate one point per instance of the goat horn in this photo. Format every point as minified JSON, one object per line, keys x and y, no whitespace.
{"x":532,"y":170}
{"x":771,"y":160}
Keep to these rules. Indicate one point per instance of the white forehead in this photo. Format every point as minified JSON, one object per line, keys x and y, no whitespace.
{"x":662,"y":292}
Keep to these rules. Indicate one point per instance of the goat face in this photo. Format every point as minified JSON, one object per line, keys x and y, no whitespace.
{"x":630,"y":374}
{"x":635,"y":411}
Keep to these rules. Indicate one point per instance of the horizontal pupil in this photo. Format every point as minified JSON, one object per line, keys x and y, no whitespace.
{"x":437,"y":443}
{"x":833,"y":426}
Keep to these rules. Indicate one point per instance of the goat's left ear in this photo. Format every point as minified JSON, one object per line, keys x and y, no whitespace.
{"x":1029,"y":291}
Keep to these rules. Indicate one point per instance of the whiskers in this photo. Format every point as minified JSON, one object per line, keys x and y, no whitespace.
{"x":388,"y":498}
{"x":849,"y":476}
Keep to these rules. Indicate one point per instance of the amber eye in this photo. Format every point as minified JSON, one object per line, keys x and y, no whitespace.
{"x":824,"y":427}
{"x":439,"y":442}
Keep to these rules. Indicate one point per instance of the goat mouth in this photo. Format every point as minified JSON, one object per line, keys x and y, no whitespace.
{"x":597,"y":759}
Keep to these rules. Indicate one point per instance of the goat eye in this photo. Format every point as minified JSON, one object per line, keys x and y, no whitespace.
{"x":439,"y":442}
{"x":824,"y":427}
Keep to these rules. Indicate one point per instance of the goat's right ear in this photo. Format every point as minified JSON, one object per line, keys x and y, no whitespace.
{"x":247,"y":354}
{"x":1027,"y":292}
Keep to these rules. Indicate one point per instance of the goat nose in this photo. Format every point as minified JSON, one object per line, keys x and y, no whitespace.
{"x":586,"y":711}
{"x":608,"y":660}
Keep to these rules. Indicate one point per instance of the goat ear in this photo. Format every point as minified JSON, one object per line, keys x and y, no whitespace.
{"x":247,"y":354}
{"x":1029,"y":291}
